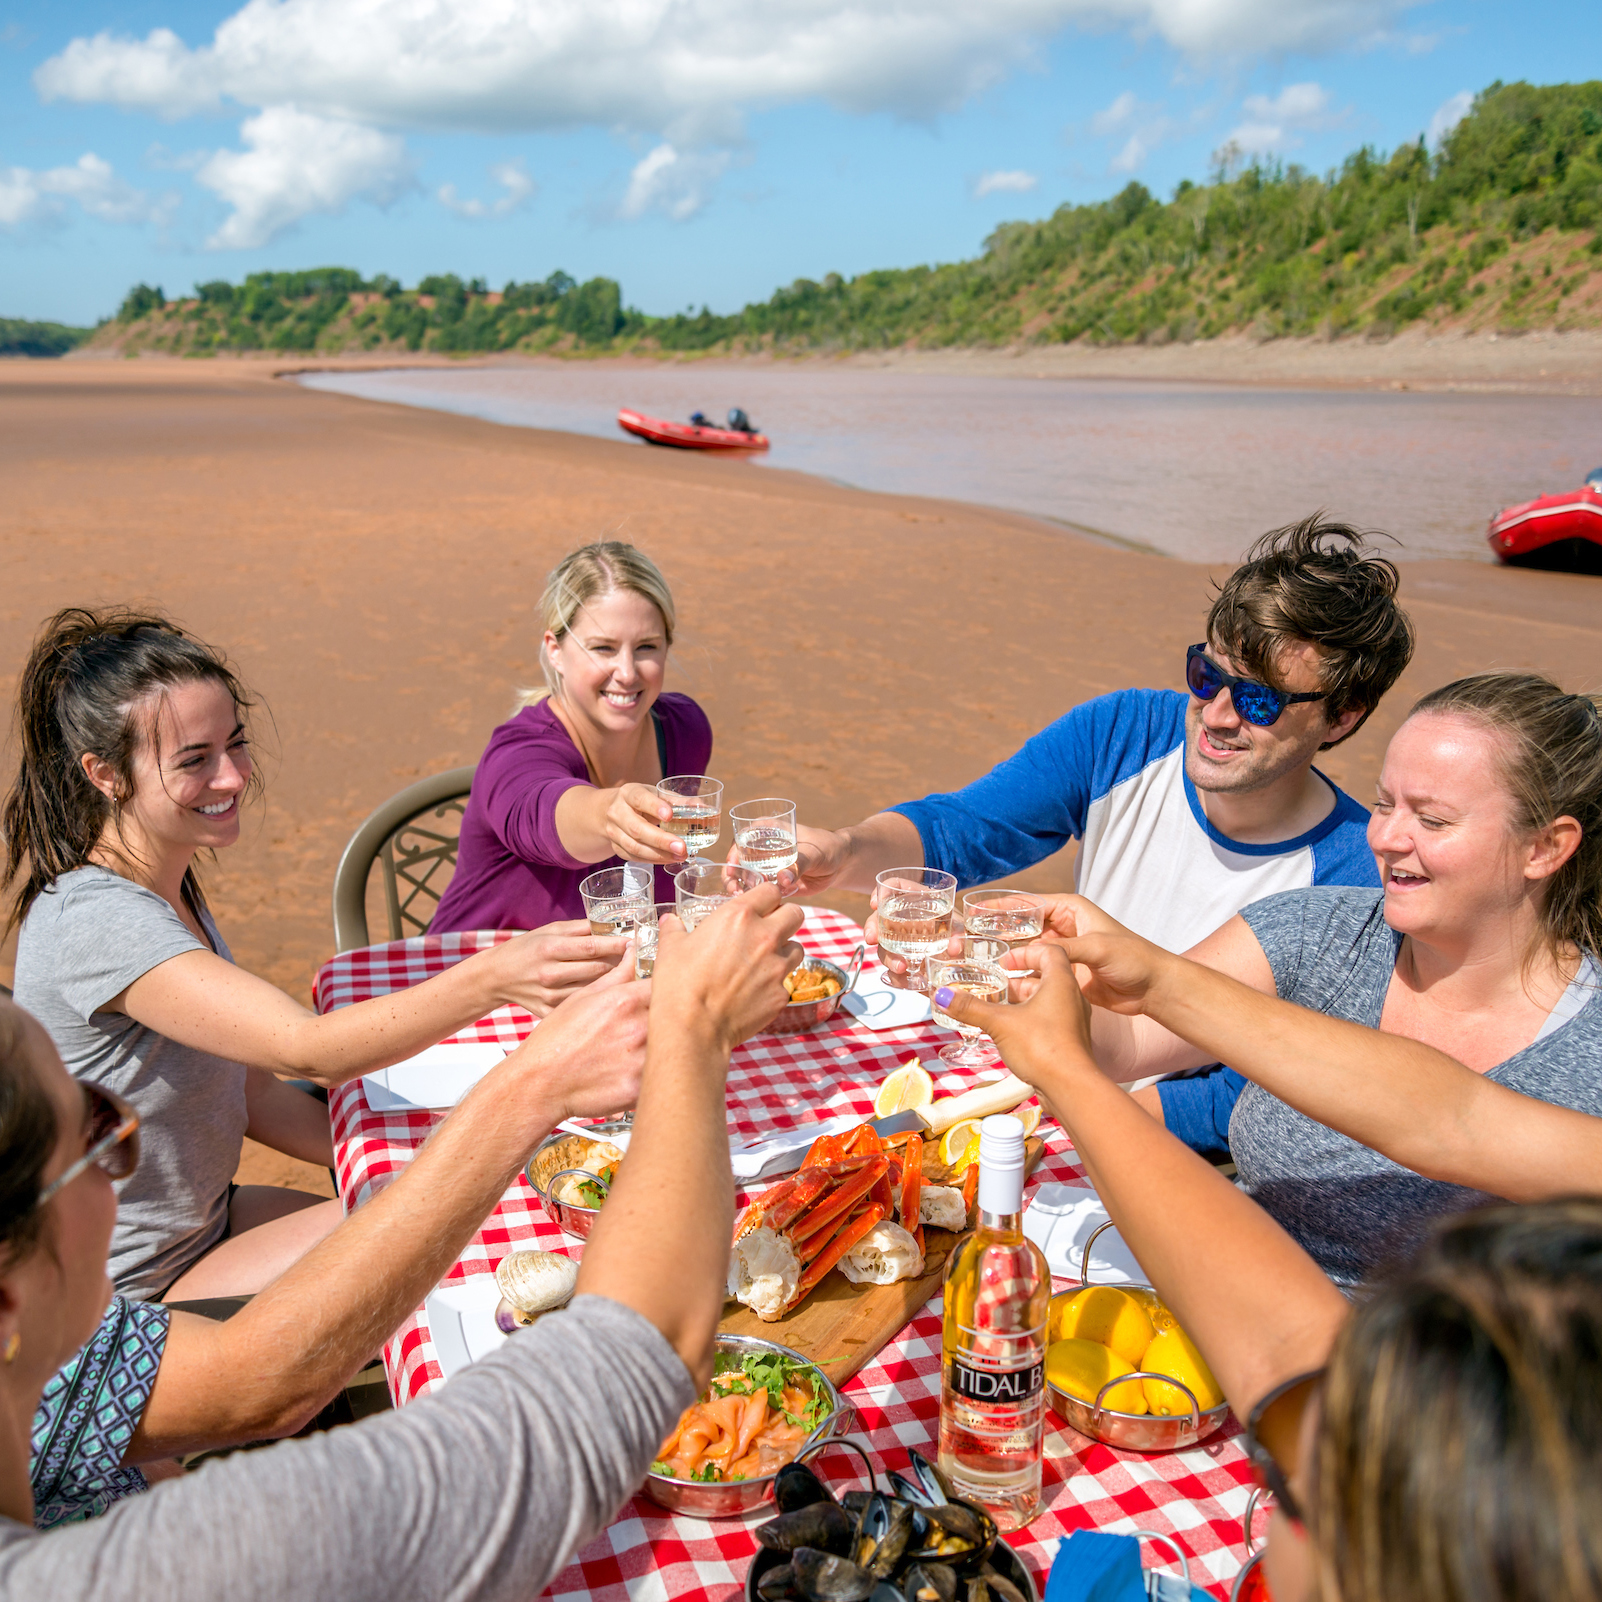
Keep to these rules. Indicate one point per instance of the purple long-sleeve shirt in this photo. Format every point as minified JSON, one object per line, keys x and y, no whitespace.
{"x":511,"y":869}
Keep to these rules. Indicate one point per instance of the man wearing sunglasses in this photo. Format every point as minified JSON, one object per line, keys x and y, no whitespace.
{"x":1187,"y":808}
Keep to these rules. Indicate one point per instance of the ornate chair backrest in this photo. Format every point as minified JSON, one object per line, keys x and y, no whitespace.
{"x":414,"y":837}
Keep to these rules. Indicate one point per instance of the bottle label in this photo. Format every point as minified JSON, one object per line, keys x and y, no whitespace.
{"x":1006,"y":1387}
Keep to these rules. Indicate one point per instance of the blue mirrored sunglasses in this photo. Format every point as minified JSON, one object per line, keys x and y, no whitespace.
{"x":1258,"y":703}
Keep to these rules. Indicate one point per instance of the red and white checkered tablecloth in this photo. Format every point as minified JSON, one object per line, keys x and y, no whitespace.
{"x":648,"y":1555}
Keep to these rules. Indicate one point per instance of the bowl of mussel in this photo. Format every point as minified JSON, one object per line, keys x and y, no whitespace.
{"x":572,"y":1175}
{"x":816,"y":990}
{"x":913,"y":1542}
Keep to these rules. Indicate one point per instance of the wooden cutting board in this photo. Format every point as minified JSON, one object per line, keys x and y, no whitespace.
{"x":842,"y":1326}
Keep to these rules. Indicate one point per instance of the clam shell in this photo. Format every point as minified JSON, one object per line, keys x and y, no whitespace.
{"x":537,"y":1282}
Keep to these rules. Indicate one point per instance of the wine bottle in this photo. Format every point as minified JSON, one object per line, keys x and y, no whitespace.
{"x":993,"y":1359}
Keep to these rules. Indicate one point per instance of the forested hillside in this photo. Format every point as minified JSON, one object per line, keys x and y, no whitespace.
{"x":19,"y":338}
{"x":1496,"y":230}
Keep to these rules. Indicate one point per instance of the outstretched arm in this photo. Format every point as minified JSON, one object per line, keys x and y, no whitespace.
{"x":268,"y":1369}
{"x":661,"y":1243}
{"x":1253,"y":1301}
{"x":1397,"y":1096}
{"x":203,"y":1001}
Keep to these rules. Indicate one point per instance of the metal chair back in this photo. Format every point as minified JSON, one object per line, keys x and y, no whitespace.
{"x":413,"y":836}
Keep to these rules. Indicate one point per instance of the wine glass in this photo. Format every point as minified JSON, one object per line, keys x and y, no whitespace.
{"x":1010,"y":916}
{"x":646,"y":932}
{"x":697,"y":811}
{"x":987,"y":981}
{"x":914,"y":911}
{"x":616,"y":898}
{"x":701,"y":889}
{"x":764,"y":835}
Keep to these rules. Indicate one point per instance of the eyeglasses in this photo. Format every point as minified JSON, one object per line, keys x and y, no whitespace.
{"x":1274,"y":1436}
{"x":1260,"y":704}
{"x":113,"y":1140}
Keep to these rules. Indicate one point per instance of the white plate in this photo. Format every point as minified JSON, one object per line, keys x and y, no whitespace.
{"x":1061,"y":1218}
{"x":436,"y":1078}
{"x":461,"y":1319}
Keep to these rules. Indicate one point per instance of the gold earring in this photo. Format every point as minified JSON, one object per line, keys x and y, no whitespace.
{"x":13,"y":1346}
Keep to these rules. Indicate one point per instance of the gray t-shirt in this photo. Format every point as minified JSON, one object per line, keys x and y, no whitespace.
{"x":84,"y":941}
{"x":1353,"y":1210}
{"x":483,"y":1491}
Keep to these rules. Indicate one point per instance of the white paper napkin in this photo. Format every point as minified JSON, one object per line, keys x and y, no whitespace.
{"x":436,"y":1078}
{"x":876,"y":1005}
{"x":1061,"y":1218}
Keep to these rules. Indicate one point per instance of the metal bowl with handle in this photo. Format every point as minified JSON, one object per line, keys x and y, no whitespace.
{"x":1133,"y":1432}
{"x":542,"y":1172}
{"x":1002,"y":1557}
{"x":699,"y":1499}
{"x":796,"y":1017}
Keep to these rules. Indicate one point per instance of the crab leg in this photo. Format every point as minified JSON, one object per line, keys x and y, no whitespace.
{"x":806,"y":1190}
{"x":819,"y":1224}
{"x":822,"y":1149}
{"x":758,"y":1210}
{"x":864,"y":1139}
{"x":912,"y":1190}
{"x":837,"y":1248}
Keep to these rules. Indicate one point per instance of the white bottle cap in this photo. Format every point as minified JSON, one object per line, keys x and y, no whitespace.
{"x":1001,"y":1164}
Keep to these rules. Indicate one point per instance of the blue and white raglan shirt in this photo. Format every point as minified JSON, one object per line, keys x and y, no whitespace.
{"x":1111,"y":774}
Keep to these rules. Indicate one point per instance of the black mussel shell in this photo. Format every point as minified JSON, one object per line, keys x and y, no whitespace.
{"x":779,"y":1585}
{"x":824,"y":1526}
{"x":823,"y":1577}
{"x":854,"y":1502}
{"x":886,"y":1529}
{"x":795,"y":1485}
{"x":922,"y":1484}
{"x":930,"y":1582}
{"x":884,"y":1591}
{"x":995,"y":1587}
{"x":958,"y":1533}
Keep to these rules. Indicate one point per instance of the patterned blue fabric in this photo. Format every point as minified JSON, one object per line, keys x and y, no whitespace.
{"x":89,"y":1412}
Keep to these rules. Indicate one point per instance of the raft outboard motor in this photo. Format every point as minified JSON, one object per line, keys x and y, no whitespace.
{"x":739,"y":422}
{"x":1593,"y":479}
{"x":701,"y":420}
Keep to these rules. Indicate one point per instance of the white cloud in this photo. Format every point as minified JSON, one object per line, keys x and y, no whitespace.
{"x":520,"y":190}
{"x":1117,"y":116}
{"x":673,"y":181}
{"x":1448,"y":116}
{"x":29,"y":197}
{"x":1004,"y":183}
{"x":1142,"y":126}
{"x":1277,"y":123}
{"x":298,"y":164}
{"x":646,"y":65}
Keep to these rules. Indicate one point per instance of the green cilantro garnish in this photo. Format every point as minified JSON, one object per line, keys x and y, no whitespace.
{"x":659,"y":1467}
{"x":707,"y":1473}
{"x":771,"y":1373}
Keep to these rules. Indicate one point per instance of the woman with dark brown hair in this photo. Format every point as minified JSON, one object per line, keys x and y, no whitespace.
{"x":1440,"y":1441}
{"x":135,"y":758}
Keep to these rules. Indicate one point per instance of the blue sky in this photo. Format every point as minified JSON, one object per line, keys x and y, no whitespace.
{"x":699,"y":151}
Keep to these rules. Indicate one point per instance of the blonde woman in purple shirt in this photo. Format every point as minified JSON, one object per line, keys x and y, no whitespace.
{"x":568,"y":783}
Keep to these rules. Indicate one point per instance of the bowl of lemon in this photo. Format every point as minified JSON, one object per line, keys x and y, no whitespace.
{"x":1120,"y":1369}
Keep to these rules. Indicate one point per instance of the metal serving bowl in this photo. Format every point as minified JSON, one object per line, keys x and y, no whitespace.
{"x":1002,"y":1557}
{"x":698,"y":1500}
{"x":546,"y":1165}
{"x":1134,"y":1432}
{"x":796,"y":1017}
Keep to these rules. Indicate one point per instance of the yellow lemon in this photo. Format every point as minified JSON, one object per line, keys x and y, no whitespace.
{"x":1029,"y":1116}
{"x":1173,"y":1352}
{"x":1159,"y":1315}
{"x":959,"y":1146}
{"x":1109,"y":1316}
{"x":908,"y":1087}
{"x":1082,"y":1367}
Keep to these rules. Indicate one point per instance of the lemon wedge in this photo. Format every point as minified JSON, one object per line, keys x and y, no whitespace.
{"x":959,"y":1146}
{"x":907,"y":1087}
{"x":1029,"y":1116}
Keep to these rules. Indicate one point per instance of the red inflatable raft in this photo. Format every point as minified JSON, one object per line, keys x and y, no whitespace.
{"x":1552,"y":527}
{"x":689,"y":436}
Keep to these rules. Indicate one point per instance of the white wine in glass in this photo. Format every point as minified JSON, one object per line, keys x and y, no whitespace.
{"x":764,"y":835}
{"x":697,"y":811}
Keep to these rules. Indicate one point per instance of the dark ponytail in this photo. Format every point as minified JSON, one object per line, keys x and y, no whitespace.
{"x":81,"y":693}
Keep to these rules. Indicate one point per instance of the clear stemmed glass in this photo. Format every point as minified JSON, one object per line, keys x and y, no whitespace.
{"x":987,"y":981}
{"x":615,"y":899}
{"x":764,"y":834}
{"x":701,"y":889}
{"x":697,"y":811}
{"x":1007,"y":915}
{"x":914,"y":912}
{"x":645,"y":939}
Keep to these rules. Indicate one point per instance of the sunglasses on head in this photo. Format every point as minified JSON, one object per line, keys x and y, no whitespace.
{"x":1258,"y":703}
{"x":112,"y":1142}
{"x":1273,"y":1439}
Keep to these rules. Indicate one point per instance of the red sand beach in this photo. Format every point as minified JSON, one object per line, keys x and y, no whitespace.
{"x":374,"y":571}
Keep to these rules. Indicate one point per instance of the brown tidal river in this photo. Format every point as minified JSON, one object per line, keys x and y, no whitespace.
{"x":1190,"y":470}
